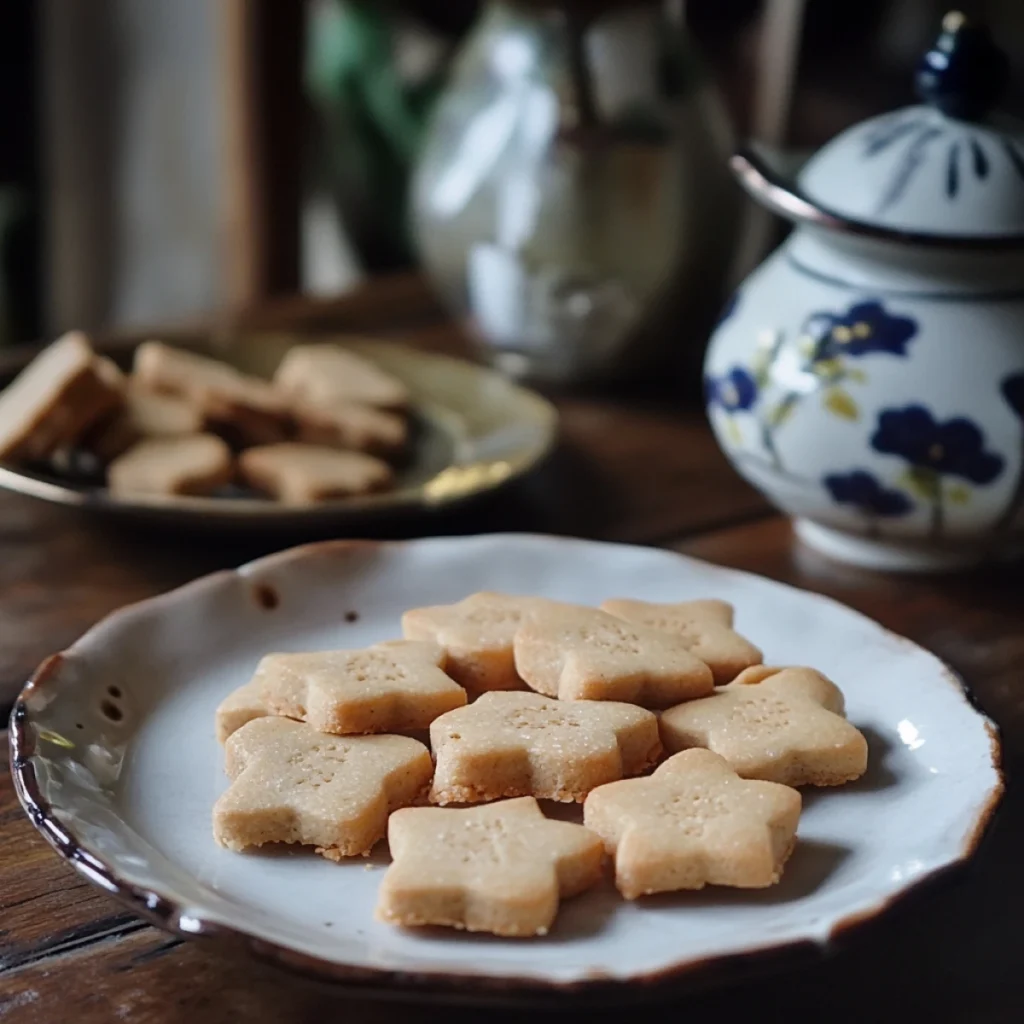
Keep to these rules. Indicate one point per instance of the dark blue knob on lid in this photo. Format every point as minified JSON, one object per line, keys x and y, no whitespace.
{"x":964,"y":74}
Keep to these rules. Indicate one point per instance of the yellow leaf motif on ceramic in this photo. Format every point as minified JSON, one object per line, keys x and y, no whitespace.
{"x":733,"y":432}
{"x":781,"y":413}
{"x":958,"y":495}
{"x":829,"y":369}
{"x":857,"y":375}
{"x":923,"y":483}
{"x":760,"y":366}
{"x":839,"y":402}
{"x":761,"y":361}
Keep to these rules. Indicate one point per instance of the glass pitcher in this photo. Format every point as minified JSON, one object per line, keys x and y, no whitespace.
{"x":572,"y":203}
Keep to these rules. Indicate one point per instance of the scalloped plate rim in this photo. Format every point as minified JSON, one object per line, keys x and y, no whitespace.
{"x":189,"y":921}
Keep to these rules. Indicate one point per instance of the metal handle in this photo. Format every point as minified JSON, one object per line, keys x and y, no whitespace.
{"x":781,"y":196}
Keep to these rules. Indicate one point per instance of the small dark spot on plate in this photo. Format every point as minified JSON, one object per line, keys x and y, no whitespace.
{"x":351,"y":616}
{"x":111,"y":710}
{"x":115,"y":692}
{"x":266,"y":596}
{"x":78,"y":725}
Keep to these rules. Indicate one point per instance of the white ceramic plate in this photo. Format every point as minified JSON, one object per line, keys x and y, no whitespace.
{"x":115,"y":760}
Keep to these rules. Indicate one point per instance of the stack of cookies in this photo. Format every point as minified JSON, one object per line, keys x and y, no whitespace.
{"x":185,"y":424}
{"x":527,"y":699}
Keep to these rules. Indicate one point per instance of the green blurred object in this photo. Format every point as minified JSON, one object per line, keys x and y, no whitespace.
{"x":372,"y":123}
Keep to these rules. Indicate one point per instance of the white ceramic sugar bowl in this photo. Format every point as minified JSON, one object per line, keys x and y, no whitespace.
{"x":868,"y":377}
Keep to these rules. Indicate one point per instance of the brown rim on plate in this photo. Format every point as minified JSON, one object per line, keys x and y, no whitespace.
{"x":695,"y":972}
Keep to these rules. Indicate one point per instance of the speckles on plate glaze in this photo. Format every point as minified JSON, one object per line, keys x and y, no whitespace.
{"x":266,"y":596}
{"x":111,"y":711}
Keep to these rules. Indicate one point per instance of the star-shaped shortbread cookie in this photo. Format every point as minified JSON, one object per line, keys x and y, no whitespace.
{"x":778,"y":725}
{"x":577,"y":653}
{"x":238,"y":707}
{"x":399,"y":686}
{"x":292,"y":784}
{"x":694,"y":822}
{"x":500,"y":868}
{"x":516,"y":743}
{"x":705,"y":627}
{"x":477,"y":634}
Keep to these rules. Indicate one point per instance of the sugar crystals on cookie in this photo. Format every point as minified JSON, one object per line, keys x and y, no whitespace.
{"x":398,"y":686}
{"x":516,"y":743}
{"x":694,"y":822}
{"x":501,"y":868}
{"x":779,"y":725}
{"x":705,"y":626}
{"x":238,"y":707}
{"x":577,"y":653}
{"x":292,"y":784}
{"x":477,"y":632}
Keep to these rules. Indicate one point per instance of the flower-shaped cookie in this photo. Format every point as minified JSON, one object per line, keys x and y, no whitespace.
{"x":577,"y":653}
{"x":398,"y":686}
{"x":694,"y":822}
{"x":500,"y":868}
{"x":777,"y":725}
{"x":292,"y":784}
{"x":477,"y":635}
{"x":522,"y":744}
{"x":705,"y":627}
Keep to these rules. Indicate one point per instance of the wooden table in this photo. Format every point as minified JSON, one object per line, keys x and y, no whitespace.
{"x":641,"y":473}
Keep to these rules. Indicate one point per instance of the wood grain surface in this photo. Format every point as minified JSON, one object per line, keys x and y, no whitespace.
{"x":641,"y":473}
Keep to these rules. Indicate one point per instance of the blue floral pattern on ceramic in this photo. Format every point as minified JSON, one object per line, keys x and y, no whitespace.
{"x":962,"y":75}
{"x":935,"y":450}
{"x":871,"y":414}
{"x":955,"y":447}
{"x":827,"y":344}
{"x":867,"y":494}
{"x":965,"y":156}
{"x":942,"y":457}
{"x":1013,"y":391}
{"x":736,"y":391}
{"x":863,"y":329}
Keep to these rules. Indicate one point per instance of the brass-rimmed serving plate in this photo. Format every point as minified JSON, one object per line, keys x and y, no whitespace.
{"x":473,"y":431}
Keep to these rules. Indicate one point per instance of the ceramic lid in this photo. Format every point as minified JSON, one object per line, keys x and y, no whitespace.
{"x":946,"y":167}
